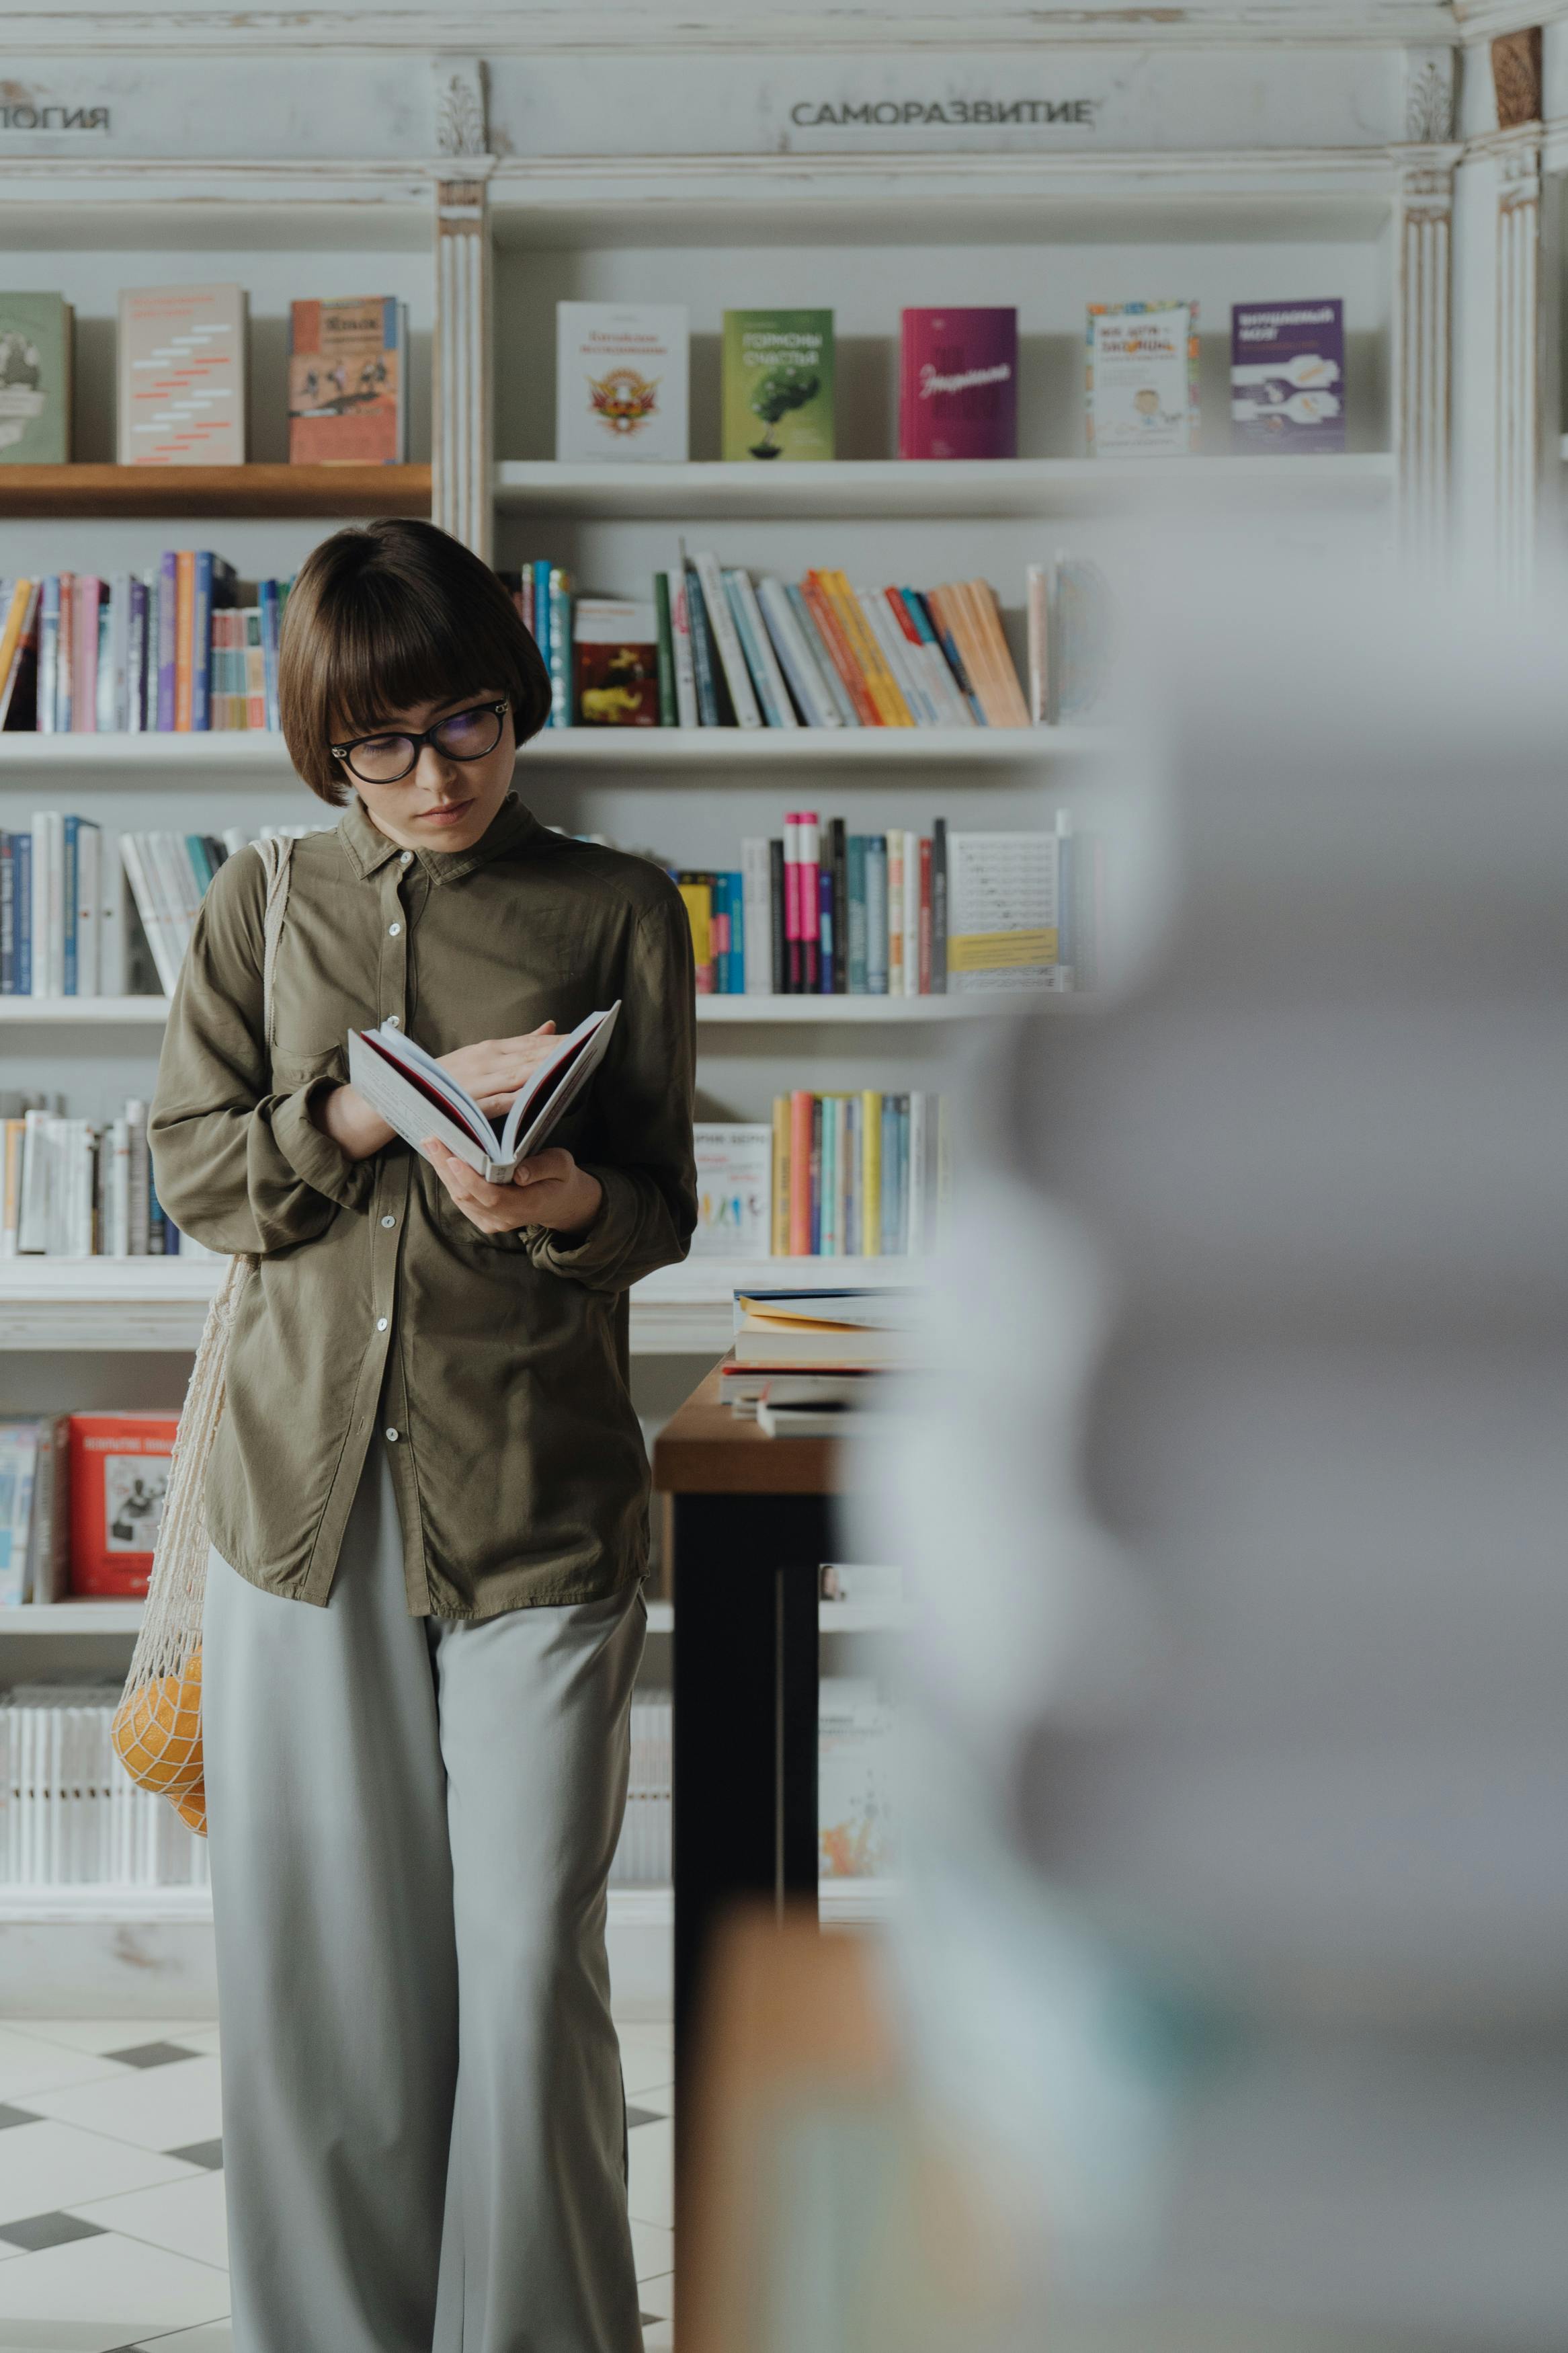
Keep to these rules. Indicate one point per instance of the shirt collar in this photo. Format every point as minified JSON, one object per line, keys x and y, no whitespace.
{"x":368,"y":848}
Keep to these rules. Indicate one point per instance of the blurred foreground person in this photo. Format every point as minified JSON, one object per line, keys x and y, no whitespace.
{"x":1231,"y":1989}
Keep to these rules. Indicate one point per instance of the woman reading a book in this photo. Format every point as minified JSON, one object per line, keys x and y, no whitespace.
{"x":427,"y":1498}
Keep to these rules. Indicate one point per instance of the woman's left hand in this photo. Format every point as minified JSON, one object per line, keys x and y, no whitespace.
{"x":548,"y":1190}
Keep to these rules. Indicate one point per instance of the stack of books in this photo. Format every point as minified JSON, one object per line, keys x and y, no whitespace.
{"x":803,"y":1362}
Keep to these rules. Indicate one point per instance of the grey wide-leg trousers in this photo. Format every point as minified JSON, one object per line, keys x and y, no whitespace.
{"x":412,"y":1821}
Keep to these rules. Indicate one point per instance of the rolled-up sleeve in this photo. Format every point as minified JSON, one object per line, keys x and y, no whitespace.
{"x":640,"y":1149}
{"x":238,"y":1165}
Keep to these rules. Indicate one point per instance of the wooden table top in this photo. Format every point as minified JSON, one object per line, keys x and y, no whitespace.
{"x":702,"y":1449}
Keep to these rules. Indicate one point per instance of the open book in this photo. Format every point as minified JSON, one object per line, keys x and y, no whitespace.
{"x":414,"y":1093}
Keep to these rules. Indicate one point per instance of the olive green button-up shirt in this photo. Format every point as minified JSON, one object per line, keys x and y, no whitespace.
{"x":494,"y":1367}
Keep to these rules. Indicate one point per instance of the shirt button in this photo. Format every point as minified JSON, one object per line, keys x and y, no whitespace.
{"x":392,"y":1437}
{"x":406,"y":860}
{"x":380,"y":1323}
{"x":392,"y":930}
{"x":389,"y":1221}
{"x":394,"y":1021}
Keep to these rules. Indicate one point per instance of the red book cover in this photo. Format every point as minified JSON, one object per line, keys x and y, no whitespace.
{"x":119,"y":1475}
{"x":958,"y":384}
{"x":925,"y":916}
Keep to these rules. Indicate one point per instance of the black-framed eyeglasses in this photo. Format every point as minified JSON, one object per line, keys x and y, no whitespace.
{"x":386,"y":759}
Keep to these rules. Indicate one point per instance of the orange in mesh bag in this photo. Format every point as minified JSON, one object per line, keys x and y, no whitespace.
{"x":157,"y":1728}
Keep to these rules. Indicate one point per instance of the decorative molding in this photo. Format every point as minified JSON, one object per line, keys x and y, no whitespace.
{"x":715,"y":30}
{"x":1429,"y":91}
{"x":461,"y":452}
{"x":461,"y":127}
{"x":1519,"y":315}
{"x":1479,"y":20}
{"x":1516,"y":77}
{"x":1423,"y":351}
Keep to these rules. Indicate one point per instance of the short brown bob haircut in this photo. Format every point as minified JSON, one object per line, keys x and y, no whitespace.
{"x":385,"y":618}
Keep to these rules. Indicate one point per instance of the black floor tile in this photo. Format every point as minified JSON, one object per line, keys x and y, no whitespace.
{"x":48,"y":2230}
{"x":15,"y":2116}
{"x":151,"y":2054}
{"x":636,"y":2116}
{"x":201,"y":2152}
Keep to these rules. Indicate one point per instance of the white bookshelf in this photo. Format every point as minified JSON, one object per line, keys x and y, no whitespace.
{"x":90,"y":1013}
{"x":843,"y":1903}
{"x":124,"y":1618}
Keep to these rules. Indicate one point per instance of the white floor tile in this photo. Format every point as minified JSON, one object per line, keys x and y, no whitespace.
{"x":647,"y":2034}
{"x":659,"y":2338}
{"x":92,"y":2295}
{"x":653,"y":2250}
{"x":44,"y":2167}
{"x":214,"y":2336}
{"x":650,"y":2193}
{"x":110,"y":2033}
{"x":642,"y":2069}
{"x":196,"y":2038}
{"x":186,"y":2216}
{"x":29,"y":2064}
{"x":156,"y":2108}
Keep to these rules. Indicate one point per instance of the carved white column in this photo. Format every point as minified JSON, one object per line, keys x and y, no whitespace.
{"x":1423,"y":347}
{"x":1518,"y":355}
{"x":461,"y":495}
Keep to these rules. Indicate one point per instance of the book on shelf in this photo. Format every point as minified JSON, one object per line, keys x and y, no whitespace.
{"x":182,"y":352}
{"x":18,"y":653}
{"x":1003,"y":918}
{"x":621,"y":380}
{"x":173,"y":650}
{"x":734,"y":1189}
{"x":1141,"y":385}
{"x":1288,"y":376}
{"x":348,"y":382}
{"x":419,"y":1098}
{"x":617,"y":657}
{"x":1070,"y":622}
{"x":859,"y":1176}
{"x":857,"y":1800}
{"x":78,"y":1188}
{"x":74,"y":1818}
{"x":36,"y":337}
{"x":860,"y":1327}
{"x":118,"y":1478}
{"x":35,"y":1509}
{"x":820,"y":912}
{"x":958,"y":384}
{"x":776,"y":397}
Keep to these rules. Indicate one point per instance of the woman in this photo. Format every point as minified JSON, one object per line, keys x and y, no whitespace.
{"x":427,"y":1497}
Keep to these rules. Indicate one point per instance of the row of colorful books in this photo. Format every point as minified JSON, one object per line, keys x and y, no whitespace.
{"x":821,"y":912}
{"x":832,"y":1176}
{"x":713,"y":648}
{"x":168,"y":651}
{"x":182,"y":378}
{"x":622,"y":380}
{"x":77,"y":1188}
{"x":81,"y":1498}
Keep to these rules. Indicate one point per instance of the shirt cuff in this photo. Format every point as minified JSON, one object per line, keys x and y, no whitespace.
{"x":312,"y":1153}
{"x":601,"y":1252}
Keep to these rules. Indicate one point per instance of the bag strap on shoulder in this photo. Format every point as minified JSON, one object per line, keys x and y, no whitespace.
{"x":277,"y":856}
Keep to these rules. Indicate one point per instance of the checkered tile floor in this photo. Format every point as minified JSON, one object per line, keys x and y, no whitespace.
{"x":111,"y":2212}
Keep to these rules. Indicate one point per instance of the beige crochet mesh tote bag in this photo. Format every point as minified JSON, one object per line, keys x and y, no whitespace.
{"x":157,"y":1729}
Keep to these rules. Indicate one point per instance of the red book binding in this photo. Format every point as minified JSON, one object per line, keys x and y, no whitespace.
{"x":119,"y":1473}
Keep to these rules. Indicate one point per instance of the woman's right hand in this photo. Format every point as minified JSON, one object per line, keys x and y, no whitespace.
{"x":496,"y":1071}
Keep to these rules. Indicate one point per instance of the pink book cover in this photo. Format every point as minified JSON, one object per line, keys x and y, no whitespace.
{"x":84,"y":696}
{"x":958,"y":384}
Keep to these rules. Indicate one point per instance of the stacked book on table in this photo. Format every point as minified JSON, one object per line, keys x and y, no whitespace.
{"x":804,"y":1363}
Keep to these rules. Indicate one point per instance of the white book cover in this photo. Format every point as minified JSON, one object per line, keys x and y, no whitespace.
{"x":727,"y":644}
{"x":182,"y":375}
{"x":911,"y":913}
{"x":798,"y":661}
{"x":86,"y":913}
{"x":418,"y":1097}
{"x":761,"y":651}
{"x":681,"y":642}
{"x":1002,"y":919}
{"x":734,"y":1190}
{"x":896,"y":651}
{"x":1142,"y":384}
{"x":18,"y":1459}
{"x":621,"y":381}
{"x":756,"y":904}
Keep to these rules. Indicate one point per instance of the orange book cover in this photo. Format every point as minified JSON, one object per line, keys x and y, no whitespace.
{"x":185,"y":617}
{"x":957,"y":619}
{"x":821,"y":609}
{"x":345,"y":382}
{"x":981,"y":600}
{"x":119,"y":1476}
{"x":800,"y":1111}
{"x":884,"y":688}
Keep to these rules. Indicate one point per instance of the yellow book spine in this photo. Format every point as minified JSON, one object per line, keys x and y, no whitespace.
{"x":880,"y":683}
{"x":779,"y":1221}
{"x":871,"y":1174}
{"x":11,"y":636}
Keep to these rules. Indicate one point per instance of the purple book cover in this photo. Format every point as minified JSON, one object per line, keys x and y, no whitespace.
{"x":1288,"y":376}
{"x":167,"y":590}
{"x":958,"y":384}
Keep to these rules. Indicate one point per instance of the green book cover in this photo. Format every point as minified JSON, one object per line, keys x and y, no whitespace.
{"x":778,"y":384}
{"x":35,"y":380}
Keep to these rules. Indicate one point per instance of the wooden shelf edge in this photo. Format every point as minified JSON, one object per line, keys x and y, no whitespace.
{"x":51,"y":493}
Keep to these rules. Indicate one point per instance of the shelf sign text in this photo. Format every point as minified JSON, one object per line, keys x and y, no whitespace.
{"x":53,"y":118}
{"x":902,"y":113}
